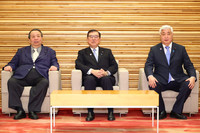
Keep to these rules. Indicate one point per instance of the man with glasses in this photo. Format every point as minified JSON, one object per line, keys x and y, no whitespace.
{"x":98,"y":66}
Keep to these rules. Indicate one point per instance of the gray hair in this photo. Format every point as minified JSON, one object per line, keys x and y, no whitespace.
{"x":166,"y":27}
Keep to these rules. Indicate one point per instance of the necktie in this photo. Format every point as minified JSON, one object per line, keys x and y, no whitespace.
{"x":95,"y":54}
{"x":168,"y":60}
{"x":35,"y":54}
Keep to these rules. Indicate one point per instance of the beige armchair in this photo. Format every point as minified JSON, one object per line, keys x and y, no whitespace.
{"x":54,"y":84}
{"x":122,"y":83}
{"x":169,"y":97}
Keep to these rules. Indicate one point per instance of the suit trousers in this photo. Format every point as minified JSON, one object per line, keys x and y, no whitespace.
{"x":182,"y":88}
{"x":90,"y":82}
{"x":37,"y":93}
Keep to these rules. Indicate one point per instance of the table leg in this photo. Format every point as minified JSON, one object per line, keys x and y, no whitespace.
{"x":152,"y":117}
{"x":157,"y":119}
{"x":54,"y":123}
{"x":51,"y":119}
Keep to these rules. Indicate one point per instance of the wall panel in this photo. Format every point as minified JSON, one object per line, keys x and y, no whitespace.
{"x":128,"y":27}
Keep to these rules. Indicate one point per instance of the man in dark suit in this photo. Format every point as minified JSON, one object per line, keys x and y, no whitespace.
{"x":167,"y":59}
{"x":98,"y":66}
{"x":31,"y":65}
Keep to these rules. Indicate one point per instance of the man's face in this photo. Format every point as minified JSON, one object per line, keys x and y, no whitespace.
{"x":35,"y":39}
{"x":93,"y":39}
{"x":166,"y":36}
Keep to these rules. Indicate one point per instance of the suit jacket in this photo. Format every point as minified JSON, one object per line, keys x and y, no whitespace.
{"x":86,"y":60}
{"x":22,"y":62}
{"x":157,"y":60}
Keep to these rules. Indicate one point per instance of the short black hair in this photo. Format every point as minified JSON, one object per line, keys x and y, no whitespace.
{"x":29,"y":34}
{"x":93,"y":30}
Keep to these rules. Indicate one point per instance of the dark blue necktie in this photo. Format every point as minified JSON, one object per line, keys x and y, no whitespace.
{"x":168,"y":60}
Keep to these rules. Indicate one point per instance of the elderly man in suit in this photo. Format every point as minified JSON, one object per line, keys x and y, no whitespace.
{"x":163,"y":69}
{"x":31,"y":65}
{"x":98,"y":66}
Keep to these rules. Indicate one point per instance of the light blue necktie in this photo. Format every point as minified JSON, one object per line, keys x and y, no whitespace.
{"x":95,"y":55}
{"x":168,"y":60}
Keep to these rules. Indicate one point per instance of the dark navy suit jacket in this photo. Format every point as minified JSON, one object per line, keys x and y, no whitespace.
{"x":22,"y":62}
{"x":106,"y":61}
{"x":157,"y":60}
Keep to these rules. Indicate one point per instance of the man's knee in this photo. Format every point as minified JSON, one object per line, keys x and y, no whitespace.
{"x":107,"y":83}
{"x":106,"y":79}
{"x":90,"y":78}
{"x":109,"y":79}
{"x":157,"y":88}
{"x":11,"y":82}
{"x":185,"y":87}
{"x":44,"y":82}
{"x":89,"y":83}
{"x":185,"y":84}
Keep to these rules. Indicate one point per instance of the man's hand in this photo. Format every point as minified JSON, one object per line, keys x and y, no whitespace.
{"x":192,"y":82}
{"x":53,"y":68}
{"x":8,"y":68}
{"x":96,"y":73}
{"x":104,"y":73}
{"x":152,"y":81}
{"x":99,"y":73}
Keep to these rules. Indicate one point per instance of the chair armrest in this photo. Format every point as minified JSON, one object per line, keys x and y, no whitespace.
{"x":196,"y":87}
{"x":54,"y":80}
{"x":76,"y":79}
{"x":123,"y":79}
{"x":142,"y":82}
{"x":5,"y":76}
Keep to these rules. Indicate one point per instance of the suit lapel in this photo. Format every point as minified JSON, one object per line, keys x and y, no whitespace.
{"x":42,"y":52}
{"x":90,"y":53}
{"x":162,"y":53}
{"x":28,"y":52}
{"x":173,"y":50}
{"x":101,"y":52}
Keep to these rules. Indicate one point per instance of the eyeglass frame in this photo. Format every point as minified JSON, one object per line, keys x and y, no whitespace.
{"x":93,"y":36}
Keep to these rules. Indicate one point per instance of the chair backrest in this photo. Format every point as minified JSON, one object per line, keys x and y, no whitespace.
{"x":116,"y":75}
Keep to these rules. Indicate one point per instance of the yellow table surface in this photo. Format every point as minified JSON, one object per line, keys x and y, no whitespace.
{"x":104,"y":98}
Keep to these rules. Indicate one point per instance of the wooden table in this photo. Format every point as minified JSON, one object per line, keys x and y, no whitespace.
{"x":104,"y":99}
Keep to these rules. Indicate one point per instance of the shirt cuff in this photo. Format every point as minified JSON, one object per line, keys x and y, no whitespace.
{"x":150,"y":76}
{"x":89,"y":71}
{"x":194,"y":77}
{"x":108,"y":73}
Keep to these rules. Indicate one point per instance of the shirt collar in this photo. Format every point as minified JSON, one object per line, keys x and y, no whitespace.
{"x":170,"y":45}
{"x":38,"y":49}
{"x":97,"y":49}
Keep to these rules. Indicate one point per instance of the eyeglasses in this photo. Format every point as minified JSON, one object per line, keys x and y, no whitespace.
{"x":93,"y":36}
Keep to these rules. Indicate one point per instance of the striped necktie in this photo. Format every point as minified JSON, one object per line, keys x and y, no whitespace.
{"x":95,"y":54}
{"x":168,"y":61}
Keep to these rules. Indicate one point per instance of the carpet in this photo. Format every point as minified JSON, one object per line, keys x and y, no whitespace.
{"x":66,"y":122}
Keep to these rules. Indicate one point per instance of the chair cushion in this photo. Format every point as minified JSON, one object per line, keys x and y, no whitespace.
{"x":169,"y":94}
{"x":26,"y":91}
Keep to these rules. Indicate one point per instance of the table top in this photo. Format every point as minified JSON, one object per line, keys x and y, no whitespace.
{"x":103,"y":92}
{"x":104,"y":98}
